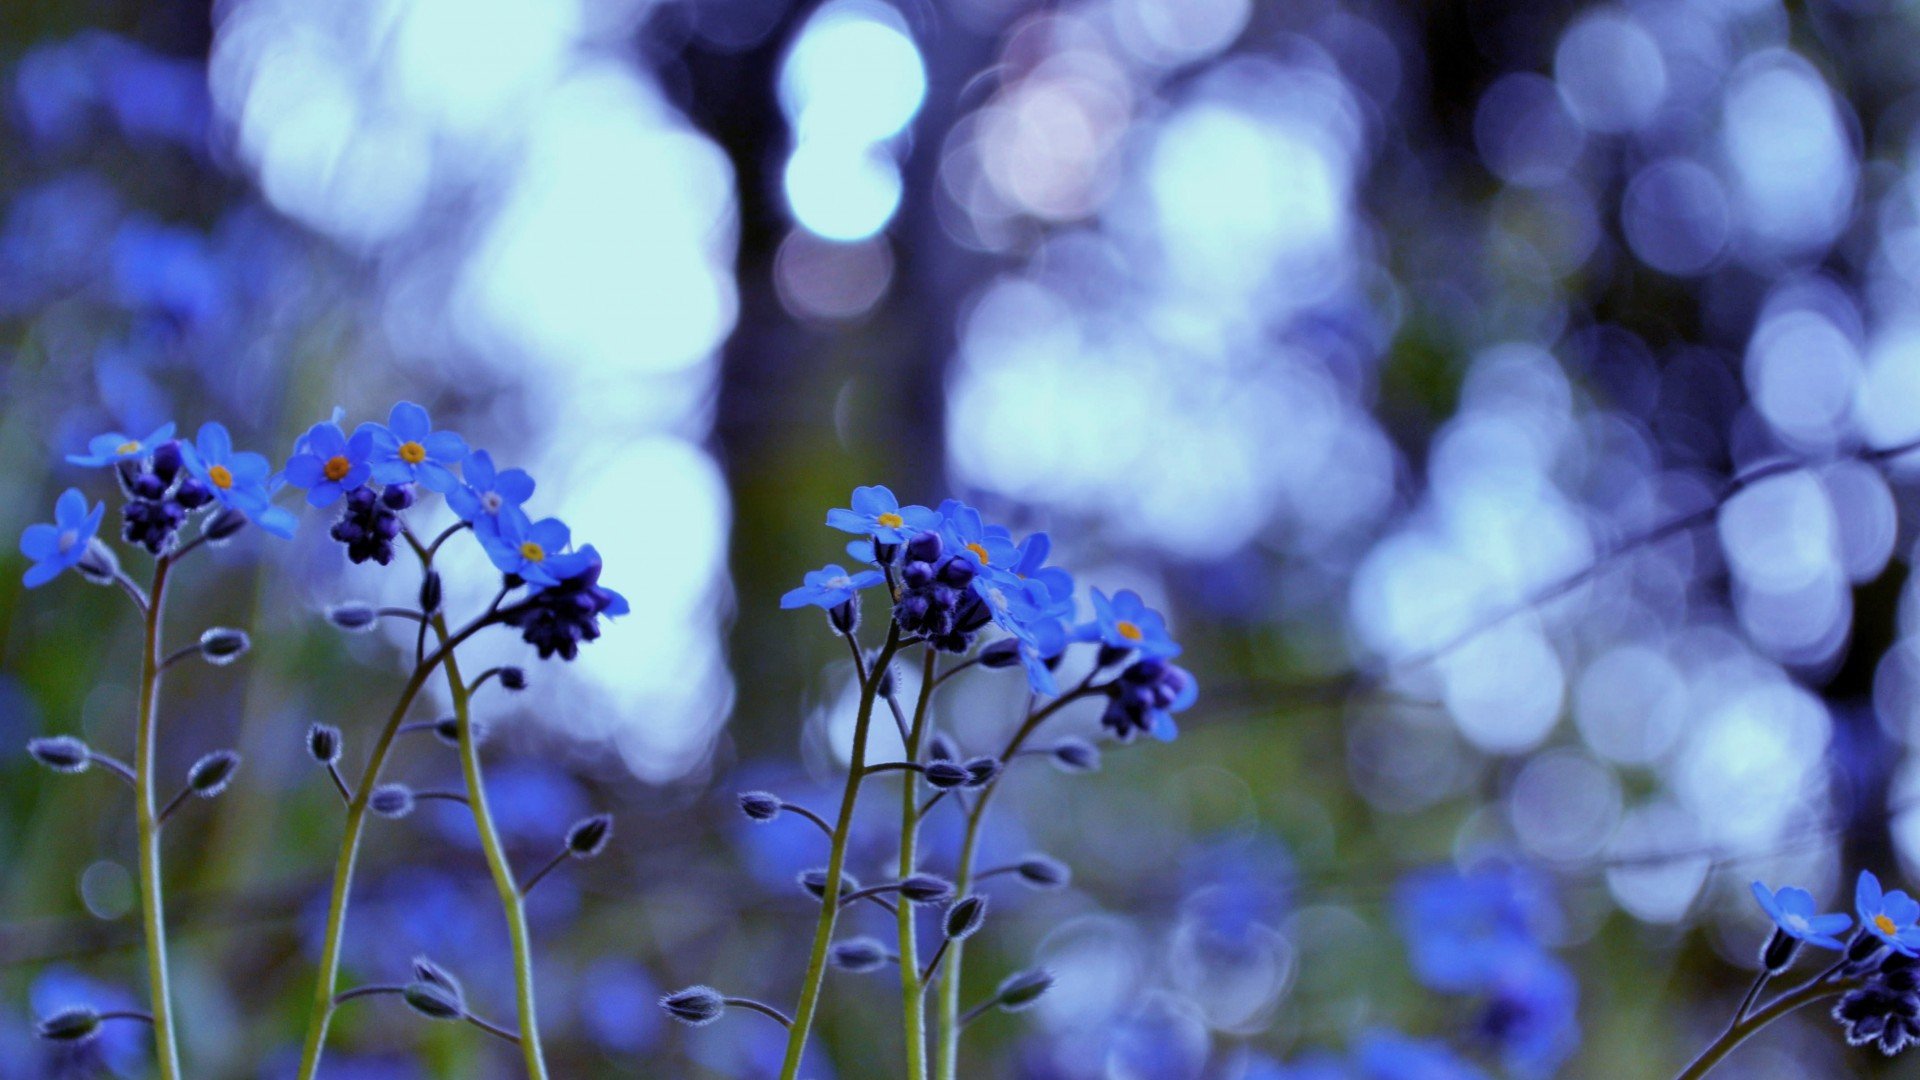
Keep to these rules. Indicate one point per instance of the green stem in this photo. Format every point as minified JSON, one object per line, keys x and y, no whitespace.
{"x":1737,"y":1033}
{"x":325,"y":985}
{"x":913,"y":1004}
{"x":946,"y":1062}
{"x":830,"y":896}
{"x":511,"y":901}
{"x":147,"y":824}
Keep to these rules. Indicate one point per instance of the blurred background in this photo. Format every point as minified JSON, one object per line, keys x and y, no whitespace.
{"x":1370,"y":340}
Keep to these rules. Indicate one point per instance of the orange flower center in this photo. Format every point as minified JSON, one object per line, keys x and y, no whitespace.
{"x":337,"y":467}
{"x":221,"y":476}
{"x":127,"y":447}
{"x":533,"y":552}
{"x":891,"y":521}
{"x":412,"y":453}
{"x":980,"y":552}
{"x":1885,"y":925}
{"x":1130,"y":631}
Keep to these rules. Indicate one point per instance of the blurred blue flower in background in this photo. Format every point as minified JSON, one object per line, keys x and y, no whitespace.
{"x":114,"y":447}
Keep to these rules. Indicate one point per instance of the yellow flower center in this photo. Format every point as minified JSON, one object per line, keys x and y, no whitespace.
{"x":891,"y":521}
{"x":221,"y":476}
{"x":533,"y":552}
{"x":337,"y":467}
{"x":979,"y":552}
{"x":127,"y":447}
{"x":412,"y":453}
{"x":1885,"y":925}
{"x":1130,"y":631}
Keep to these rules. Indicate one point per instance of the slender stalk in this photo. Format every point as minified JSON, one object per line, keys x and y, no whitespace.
{"x":830,"y":896}
{"x":322,"y":1013}
{"x":147,"y":825}
{"x":512,"y":900}
{"x":946,"y":1060}
{"x":913,"y":1001}
{"x":1739,"y":1032}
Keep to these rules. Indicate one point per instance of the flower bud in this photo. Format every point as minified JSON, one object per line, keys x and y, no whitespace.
{"x":433,"y":1001}
{"x":353,"y":615}
{"x":858,"y":955}
{"x":211,"y":774}
{"x":513,"y":678}
{"x":447,"y":730}
{"x":815,"y":882}
{"x":398,"y":496}
{"x":925,"y":888}
{"x":924,"y":547}
{"x":224,"y":524}
{"x":981,"y":771}
{"x":942,"y":748}
{"x":916,"y":575}
{"x":760,"y":806}
{"x":1022,"y":988}
{"x":944,"y":774}
{"x":1110,"y":655}
{"x":426,"y":971}
{"x":431,"y":593}
{"x":844,"y":617}
{"x":1044,"y":872}
{"x":1778,"y":953}
{"x":1004,"y":653}
{"x":61,"y":753}
{"x":965,"y":916}
{"x":166,"y":461}
{"x":78,"y":1024}
{"x":323,"y":743}
{"x":696,"y":1006}
{"x":886,"y":681}
{"x":393,"y":801}
{"x":223,"y":645}
{"x":99,"y":565}
{"x":589,"y":836}
{"x":1076,"y":756}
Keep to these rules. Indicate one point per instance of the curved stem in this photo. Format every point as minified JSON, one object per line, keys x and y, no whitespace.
{"x":913,"y":1000}
{"x":147,"y":825}
{"x":946,"y":1061}
{"x":836,"y":861}
{"x":349,"y":855}
{"x":763,"y":1009}
{"x":1739,"y":1032}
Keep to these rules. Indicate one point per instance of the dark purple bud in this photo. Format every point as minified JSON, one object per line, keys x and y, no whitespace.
{"x":323,"y":743}
{"x":858,"y":955}
{"x":1003,"y":653}
{"x":447,"y":730}
{"x":1044,"y":872}
{"x":923,"y":547}
{"x":393,"y":801}
{"x":192,"y":494}
{"x":223,"y":645}
{"x":942,"y":748}
{"x":431,"y":593}
{"x":61,"y":753}
{"x":426,"y":971}
{"x":75,"y":1025}
{"x":760,"y":806}
{"x":147,"y":486}
{"x":166,"y":460}
{"x":964,"y":917}
{"x":211,"y":774}
{"x":589,"y":836}
{"x":1021,"y":989}
{"x":696,"y":1006}
{"x":925,"y":888}
{"x":916,"y":575}
{"x":815,"y":882}
{"x":513,"y":678}
{"x":886,"y":681}
{"x":353,"y":615}
{"x":398,"y":496}
{"x":957,"y":572}
{"x":945,"y":774}
{"x":981,"y":771}
{"x":1075,"y":756}
{"x":433,"y":1001}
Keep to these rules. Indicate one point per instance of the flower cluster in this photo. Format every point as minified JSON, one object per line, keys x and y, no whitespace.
{"x":376,"y":474}
{"x":951,"y":575}
{"x":1879,"y":965}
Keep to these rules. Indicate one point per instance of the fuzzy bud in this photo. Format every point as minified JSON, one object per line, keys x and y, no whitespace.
{"x":323,"y":743}
{"x":760,"y":806}
{"x":433,"y":1001}
{"x":353,"y":615}
{"x":1022,"y":988}
{"x":1778,"y":953}
{"x":589,"y":836}
{"x":61,"y":753}
{"x":925,"y":888}
{"x":431,"y":593}
{"x":224,"y":524}
{"x":980,"y":771}
{"x":1075,"y":756}
{"x":945,"y":774}
{"x":844,"y":617}
{"x":398,"y":496}
{"x":942,"y":748}
{"x":426,"y":971}
{"x":223,"y":645}
{"x":447,"y":730}
{"x":75,"y":1025}
{"x":1044,"y":872}
{"x":393,"y":801}
{"x":513,"y":678}
{"x":1003,"y":653}
{"x":886,"y":681}
{"x":696,"y":1006}
{"x":211,"y":774}
{"x":99,"y":565}
{"x":858,"y":955}
{"x":815,"y":882}
{"x":965,"y":916}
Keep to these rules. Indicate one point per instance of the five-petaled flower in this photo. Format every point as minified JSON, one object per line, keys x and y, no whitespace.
{"x":115,"y":447}
{"x":329,"y":464}
{"x":407,"y":450}
{"x":878,"y":514}
{"x":237,"y":478}
{"x":63,"y":544}
{"x":990,"y":547}
{"x":488,"y":491}
{"x":1126,"y":622}
{"x":535,"y":551}
{"x":1793,"y":911}
{"x":830,"y":586}
{"x":1891,"y":917}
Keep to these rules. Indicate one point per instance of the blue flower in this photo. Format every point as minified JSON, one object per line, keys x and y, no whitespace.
{"x":535,"y":551}
{"x":407,"y":450}
{"x":115,"y":447}
{"x":237,"y":479}
{"x":830,"y":586}
{"x":487,"y":492}
{"x":1126,"y":622}
{"x":63,"y":544}
{"x":557,"y":619}
{"x":1531,"y":1014}
{"x":1030,"y":561}
{"x":328,"y":464}
{"x":1792,"y":910}
{"x":1888,"y":916}
{"x":878,"y":514}
{"x":989,"y":546}
{"x":1462,"y":929}
{"x":1145,"y":697}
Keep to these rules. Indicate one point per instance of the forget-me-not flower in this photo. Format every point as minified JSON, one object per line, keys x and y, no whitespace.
{"x":830,"y":586}
{"x":1126,"y":622}
{"x":1793,"y":911}
{"x":329,"y":464}
{"x":237,"y":478}
{"x":487,"y":490}
{"x":407,"y":450}
{"x":114,"y":447}
{"x":878,"y":514}
{"x":63,"y":544}
{"x":1889,"y":916}
{"x":535,"y":551}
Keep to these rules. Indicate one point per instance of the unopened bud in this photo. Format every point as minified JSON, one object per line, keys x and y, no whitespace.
{"x":323,"y":743}
{"x":223,"y":645}
{"x":353,"y":615}
{"x":858,"y":955}
{"x":925,"y":888}
{"x":61,"y":753}
{"x":211,"y":774}
{"x":1021,"y":989}
{"x":1076,"y":756}
{"x":391,"y":801}
{"x":1044,"y":872}
{"x":981,"y":771}
{"x":433,"y":1001}
{"x":513,"y":678}
{"x":589,"y":836}
{"x":945,"y":774}
{"x":815,"y":882}
{"x":964,"y":917}
{"x":75,"y":1025}
{"x":760,"y":806}
{"x":431,"y":593}
{"x":696,"y":1006}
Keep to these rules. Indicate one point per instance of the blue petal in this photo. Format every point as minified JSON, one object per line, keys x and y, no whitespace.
{"x":409,"y":421}
{"x":41,"y":573}
{"x":70,"y":510}
{"x":514,"y":485}
{"x":214,"y":443}
{"x":478,"y":469}
{"x":445,"y":447}
{"x":40,"y":541}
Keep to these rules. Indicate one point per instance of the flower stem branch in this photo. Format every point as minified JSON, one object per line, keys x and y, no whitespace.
{"x":1741,"y":1030}
{"x":147,"y":826}
{"x":913,"y":1000}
